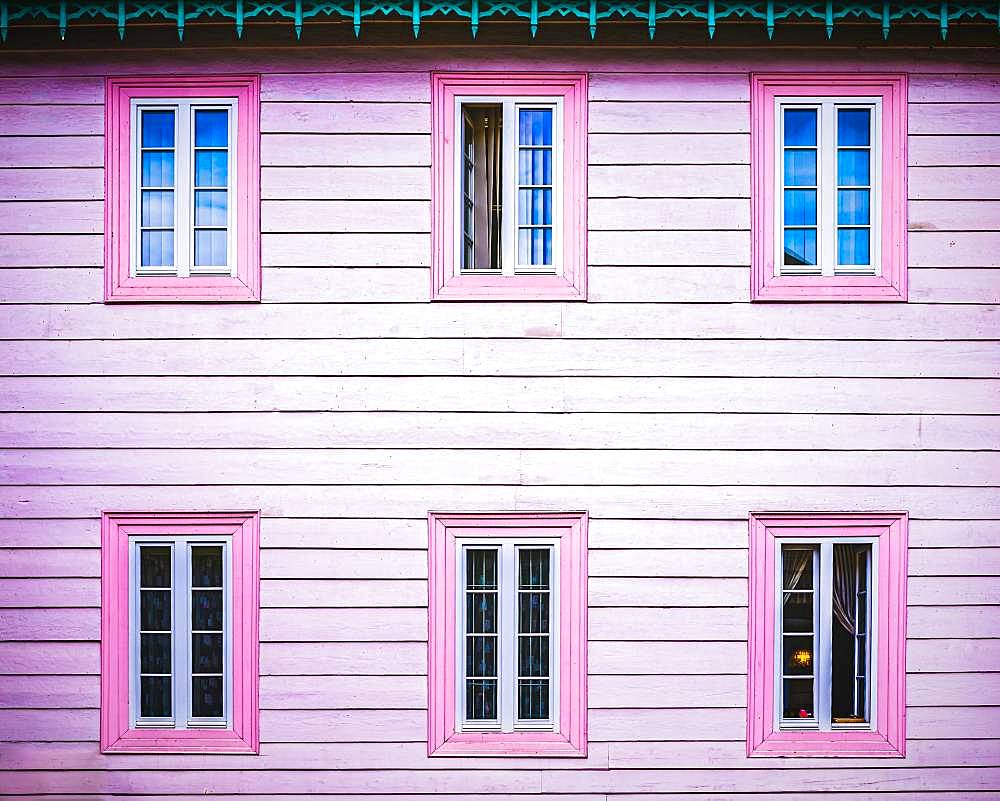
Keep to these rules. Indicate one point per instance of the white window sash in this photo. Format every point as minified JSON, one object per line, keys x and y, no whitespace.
{"x":827,"y":185}
{"x":822,"y":638}
{"x":507,"y":667}
{"x":511,"y":107}
{"x":180,"y":622}
{"x":184,"y":188}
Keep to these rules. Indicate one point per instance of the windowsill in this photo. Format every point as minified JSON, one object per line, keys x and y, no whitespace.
{"x":186,"y":741}
{"x":508,"y":287}
{"x":839,"y":743}
{"x":201,"y":288}
{"x":522,"y":743}
{"x":828,"y":288}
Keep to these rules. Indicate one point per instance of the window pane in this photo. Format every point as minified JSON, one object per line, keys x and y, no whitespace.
{"x":853,"y":127}
{"x":482,"y":186}
{"x":533,"y":612}
{"x":800,"y":168}
{"x":158,"y":168}
{"x":800,"y":207}
{"x":206,"y":610}
{"x":158,"y":128}
{"x":853,"y":167}
{"x":157,"y":249}
{"x":154,"y":566}
{"x":797,"y":613}
{"x":154,"y":606}
{"x":211,"y":168}
{"x":207,"y":694}
{"x":800,"y":127}
{"x":534,"y":207}
{"x":154,"y":697}
{"x":206,"y":653}
{"x":210,"y":248}
{"x":211,"y":207}
{"x":535,"y":127}
{"x":157,"y":209}
{"x":798,"y":699}
{"x":481,"y":699}
{"x":211,"y":128}
{"x":154,"y":653}
{"x":534,"y":166}
{"x":481,"y":656}
{"x":481,"y":569}
{"x":534,"y":246}
{"x":533,"y":570}
{"x":797,"y":657}
{"x":206,"y":566}
{"x":852,"y":207}
{"x":533,"y":656}
{"x":481,"y":612}
{"x":533,"y":699}
{"x":853,"y":246}
{"x":797,"y":568}
{"x":800,"y":246}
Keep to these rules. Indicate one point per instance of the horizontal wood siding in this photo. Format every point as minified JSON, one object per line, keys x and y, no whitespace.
{"x":345,"y":406}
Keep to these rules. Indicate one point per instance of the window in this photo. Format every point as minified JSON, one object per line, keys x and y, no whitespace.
{"x":829,"y":164}
{"x":509,"y":186}
{"x":179,"y":632}
{"x":827,"y":598}
{"x":183,"y":169}
{"x":508,"y":634}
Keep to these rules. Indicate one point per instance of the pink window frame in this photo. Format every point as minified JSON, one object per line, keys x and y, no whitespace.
{"x":119,"y":284}
{"x":446,"y":282}
{"x":888,"y":736}
{"x":891,"y":284}
{"x":571,"y":738}
{"x":116,"y":528}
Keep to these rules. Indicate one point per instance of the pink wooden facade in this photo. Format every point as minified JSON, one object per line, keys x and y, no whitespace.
{"x":345,"y":406}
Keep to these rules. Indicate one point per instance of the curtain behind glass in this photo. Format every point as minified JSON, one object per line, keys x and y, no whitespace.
{"x":794,"y":563}
{"x":845,"y":587}
{"x":487,"y":189}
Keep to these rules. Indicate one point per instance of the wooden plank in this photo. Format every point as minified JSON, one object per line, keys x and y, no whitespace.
{"x":951,"y":88}
{"x":498,"y":394}
{"x":517,"y":430}
{"x":345,"y":216}
{"x":651,"y":214}
{"x":354,"y":285}
{"x":651,"y":624}
{"x":667,"y":592}
{"x":667,"y":534}
{"x":951,"y":689}
{"x":681,"y":86}
{"x":953,"y":534}
{"x":668,"y":148}
{"x":341,"y":150}
{"x":49,"y":725}
{"x":55,"y":89}
{"x":52,"y":184}
{"x":55,"y":592}
{"x":50,"y":625}
{"x":658,"y":248}
{"x":52,"y":151}
{"x":612,"y":116}
{"x":302,"y":563}
{"x":344,"y":692}
{"x":953,"y":118}
{"x":357,"y":624}
{"x":67,"y":250}
{"x":342,"y":659}
{"x":958,"y":590}
{"x":50,"y":533}
{"x":410,"y":249}
{"x":942,"y":723}
{"x":671,"y":562}
{"x":953,"y":285}
{"x":953,"y":151}
{"x":708,"y":723}
{"x":668,"y":658}
{"x":954,"y":183}
{"x":389,"y":86}
{"x":343,"y":533}
{"x":935,"y":622}
{"x":55,"y":563}
{"x":50,"y":658}
{"x":49,"y":692}
{"x":678,"y":692}
{"x":955,"y":562}
{"x":951,"y":215}
{"x":45,"y":119}
{"x":676,"y":181}
{"x":955,"y":249}
{"x":344,"y":183}
{"x":45,"y":466}
{"x":953,"y":656}
{"x":542,"y":357}
{"x":322,"y":117}
{"x":342,"y":593}
{"x":49,"y":217}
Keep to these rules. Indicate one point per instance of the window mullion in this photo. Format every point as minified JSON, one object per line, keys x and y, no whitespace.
{"x":182,"y":633}
{"x":184,"y":194}
{"x":828,"y":187}
{"x":509,"y":211}
{"x":824,"y":635}
{"x":508,"y":635}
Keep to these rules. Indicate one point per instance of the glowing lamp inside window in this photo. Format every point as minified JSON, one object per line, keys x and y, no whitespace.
{"x":802,"y":657}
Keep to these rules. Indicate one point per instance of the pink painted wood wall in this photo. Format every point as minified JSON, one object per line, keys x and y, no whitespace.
{"x":344,"y":406}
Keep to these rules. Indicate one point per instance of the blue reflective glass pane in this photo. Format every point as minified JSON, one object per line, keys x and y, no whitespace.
{"x":157,"y":129}
{"x":800,"y":246}
{"x":853,"y":127}
{"x":158,"y":168}
{"x":800,"y":168}
{"x":534,"y":167}
{"x":524,"y":246}
{"x":211,"y":128}
{"x":853,"y":167}
{"x":852,"y":207}
{"x":157,"y":249}
{"x":853,"y":246}
{"x":206,"y":653}
{"x":541,"y":246}
{"x":800,"y":127}
{"x":534,"y":207}
{"x":210,"y":248}
{"x":211,"y":168}
{"x":210,"y":207}
{"x":206,"y":696}
{"x":157,"y":209}
{"x":535,"y":126}
{"x":800,"y":207}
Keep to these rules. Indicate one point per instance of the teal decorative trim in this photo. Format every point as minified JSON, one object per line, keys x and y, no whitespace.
{"x":770,"y":13}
